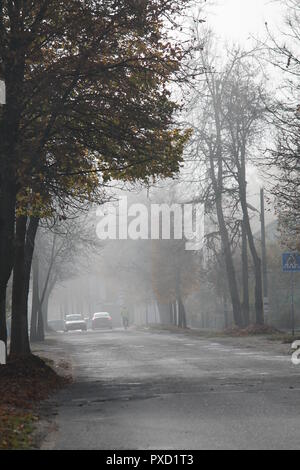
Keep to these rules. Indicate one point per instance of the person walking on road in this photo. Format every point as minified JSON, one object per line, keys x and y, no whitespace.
{"x":125,"y":317}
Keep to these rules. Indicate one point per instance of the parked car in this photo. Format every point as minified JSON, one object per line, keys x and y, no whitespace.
{"x":101,"y":320}
{"x":75,"y":322}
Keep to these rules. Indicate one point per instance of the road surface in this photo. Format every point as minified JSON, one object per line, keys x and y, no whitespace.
{"x":143,"y":390}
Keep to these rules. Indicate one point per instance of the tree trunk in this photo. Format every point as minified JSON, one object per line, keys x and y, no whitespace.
{"x":226,"y":320}
{"x":40,"y":325}
{"x":21,"y":280}
{"x":42,"y":322}
{"x":45,"y":307}
{"x":171,"y":306}
{"x":175,"y":313}
{"x":231,"y":276}
{"x":19,"y":326}
{"x":9,"y":137}
{"x":37,"y":333}
{"x":181,"y":314}
{"x":217,"y":176}
{"x":259,"y":305}
{"x":35,"y":299}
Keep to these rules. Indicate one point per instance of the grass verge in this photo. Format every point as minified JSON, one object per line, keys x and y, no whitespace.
{"x":23,"y":385}
{"x":267,"y":332}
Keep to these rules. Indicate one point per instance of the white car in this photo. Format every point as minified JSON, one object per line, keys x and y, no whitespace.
{"x":74,"y":323}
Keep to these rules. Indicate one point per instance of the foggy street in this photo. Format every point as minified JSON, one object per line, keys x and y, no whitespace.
{"x":149,"y":227}
{"x":157,"y":390}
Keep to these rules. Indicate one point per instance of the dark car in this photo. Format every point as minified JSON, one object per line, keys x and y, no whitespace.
{"x":101,"y":320}
{"x":75,"y":322}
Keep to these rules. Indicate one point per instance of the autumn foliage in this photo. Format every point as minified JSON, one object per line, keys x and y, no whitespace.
{"x":88,"y":101}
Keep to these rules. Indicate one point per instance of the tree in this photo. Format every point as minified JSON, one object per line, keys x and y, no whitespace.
{"x":244,"y":112}
{"x":21,"y":280}
{"x":57,"y":259}
{"x":209,"y":129}
{"x":282,"y":160}
{"x":175,"y":271}
{"x":225,"y":128}
{"x":75,"y":116}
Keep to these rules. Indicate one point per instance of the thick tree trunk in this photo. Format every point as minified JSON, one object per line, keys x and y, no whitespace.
{"x":21,"y":280}
{"x":9,"y":137}
{"x":19,"y":327}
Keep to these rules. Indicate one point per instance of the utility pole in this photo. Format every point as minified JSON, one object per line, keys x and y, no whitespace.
{"x":293,"y":302}
{"x":264,"y":254}
{"x":245,"y":276}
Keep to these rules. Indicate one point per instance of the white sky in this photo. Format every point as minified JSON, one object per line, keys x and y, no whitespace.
{"x":238,"y":20}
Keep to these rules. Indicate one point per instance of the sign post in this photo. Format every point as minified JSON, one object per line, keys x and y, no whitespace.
{"x":2,"y":353}
{"x":291,"y":264}
{"x":2,"y":92}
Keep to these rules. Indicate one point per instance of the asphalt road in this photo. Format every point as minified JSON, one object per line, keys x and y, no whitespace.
{"x":142,"y":390}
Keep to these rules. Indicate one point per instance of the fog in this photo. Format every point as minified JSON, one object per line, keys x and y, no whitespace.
{"x":149,"y":227}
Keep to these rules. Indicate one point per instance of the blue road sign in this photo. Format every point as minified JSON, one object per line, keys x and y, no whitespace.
{"x":291,"y":262}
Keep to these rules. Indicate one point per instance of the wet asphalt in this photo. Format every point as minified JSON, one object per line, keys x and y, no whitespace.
{"x":151,"y":390}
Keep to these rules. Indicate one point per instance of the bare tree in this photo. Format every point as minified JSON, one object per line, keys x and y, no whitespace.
{"x":58,"y":257}
{"x":225,"y":128}
{"x":283,"y":157}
